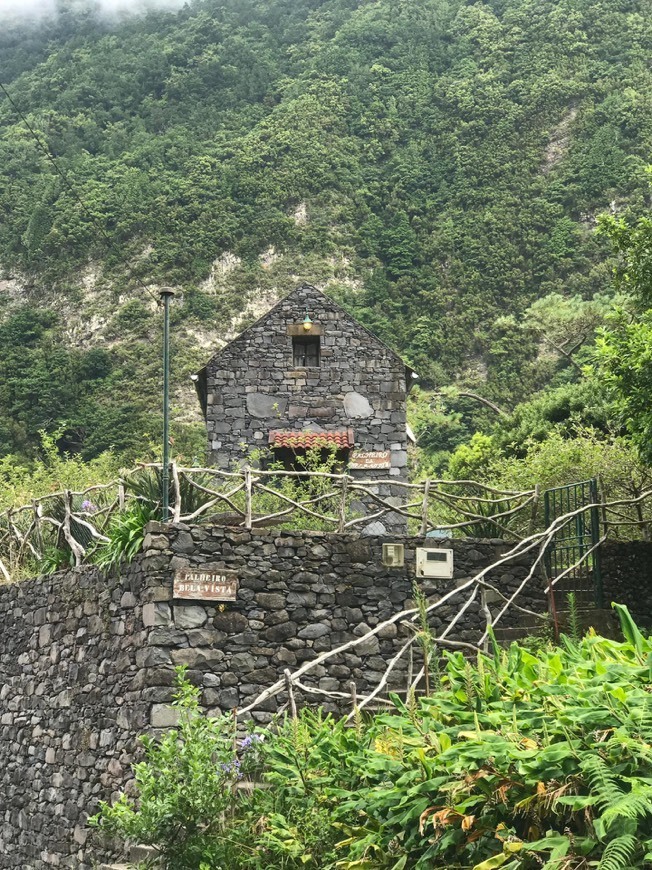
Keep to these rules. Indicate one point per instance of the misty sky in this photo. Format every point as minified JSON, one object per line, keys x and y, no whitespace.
{"x":43,"y":8}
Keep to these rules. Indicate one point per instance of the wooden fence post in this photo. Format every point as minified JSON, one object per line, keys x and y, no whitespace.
{"x":10,"y":533}
{"x":248,"y":498}
{"x":424,"y":508}
{"x":290,"y":690}
{"x":535,"y":508}
{"x":345,"y":486}
{"x":176,"y":512}
{"x":37,"y":527}
{"x":354,"y":696}
{"x":77,"y":550}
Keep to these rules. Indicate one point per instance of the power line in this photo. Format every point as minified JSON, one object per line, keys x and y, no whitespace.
{"x":46,"y":150}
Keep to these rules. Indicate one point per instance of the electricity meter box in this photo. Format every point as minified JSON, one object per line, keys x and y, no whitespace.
{"x":393,"y":555}
{"x":433,"y":562}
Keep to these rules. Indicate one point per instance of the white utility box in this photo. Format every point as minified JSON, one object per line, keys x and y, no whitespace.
{"x":393,"y":555}
{"x":433,"y":562}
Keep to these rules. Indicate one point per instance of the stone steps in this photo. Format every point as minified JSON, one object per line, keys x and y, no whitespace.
{"x":603,"y":620}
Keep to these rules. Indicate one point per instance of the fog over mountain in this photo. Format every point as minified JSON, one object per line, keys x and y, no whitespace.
{"x":38,"y":9}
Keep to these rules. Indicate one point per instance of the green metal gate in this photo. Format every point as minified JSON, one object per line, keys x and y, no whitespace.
{"x":572,"y":543}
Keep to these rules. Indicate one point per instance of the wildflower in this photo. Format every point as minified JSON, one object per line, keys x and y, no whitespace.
{"x":232,"y":768}
{"x":88,"y":506}
{"x":250,"y":740}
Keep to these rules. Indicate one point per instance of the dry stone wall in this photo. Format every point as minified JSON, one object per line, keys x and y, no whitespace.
{"x":253,"y":387}
{"x":87,"y":661}
{"x":72,"y":700}
{"x":301,"y":594}
{"x":627,"y":577}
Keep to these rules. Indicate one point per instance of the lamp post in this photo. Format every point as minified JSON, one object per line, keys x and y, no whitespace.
{"x":166,"y":294}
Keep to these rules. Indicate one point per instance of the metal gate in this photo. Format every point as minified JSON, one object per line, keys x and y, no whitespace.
{"x":572,"y":543}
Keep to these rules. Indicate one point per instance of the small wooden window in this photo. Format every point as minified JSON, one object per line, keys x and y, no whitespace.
{"x":305,"y":350}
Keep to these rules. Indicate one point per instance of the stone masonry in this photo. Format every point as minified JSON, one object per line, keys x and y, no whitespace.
{"x":87,"y":660}
{"x":252,"y":387}
{"x":73,"y":667}
{"x":627,"y":577}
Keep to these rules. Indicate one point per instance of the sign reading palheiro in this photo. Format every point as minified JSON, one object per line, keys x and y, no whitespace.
{"x":204,"y":585}
{"x":361,"y":459}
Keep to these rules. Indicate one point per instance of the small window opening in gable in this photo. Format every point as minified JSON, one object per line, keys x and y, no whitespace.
{"x":305,"y":351}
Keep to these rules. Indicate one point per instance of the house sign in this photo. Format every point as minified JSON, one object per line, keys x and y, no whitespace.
{"x":361,"y":459}
{"x":201,"y":585}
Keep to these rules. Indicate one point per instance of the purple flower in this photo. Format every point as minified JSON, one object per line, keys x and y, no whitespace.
{"x":250,"y":740}
{"x":232,"y":768}
{"x":88,"y":506}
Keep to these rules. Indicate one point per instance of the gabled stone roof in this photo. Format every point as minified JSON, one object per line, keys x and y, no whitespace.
{"x":303,"y":289}
{"x":298,"y":292}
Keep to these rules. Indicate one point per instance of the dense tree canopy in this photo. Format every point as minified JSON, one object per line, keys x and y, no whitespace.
{"x":451,"y":157}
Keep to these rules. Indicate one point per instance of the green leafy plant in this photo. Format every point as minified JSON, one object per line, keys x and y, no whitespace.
{"x":425,"y":640}
{"x":185,"y":786}
{"x":321,"y":495}
{"x":126,"y":534}
{"x":516,"y":761}
{"x":574,"y":628}
{"x":147,"y":485}
{"x":54,"y":559}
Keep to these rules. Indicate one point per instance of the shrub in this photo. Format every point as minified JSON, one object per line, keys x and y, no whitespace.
{"x":126,"y":534}
{"x":185,"y":786}
{"x":518,"y":761}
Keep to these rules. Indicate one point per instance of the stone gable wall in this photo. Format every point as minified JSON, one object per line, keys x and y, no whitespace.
{"x":253,"y":388}
{"x":87,"y":661}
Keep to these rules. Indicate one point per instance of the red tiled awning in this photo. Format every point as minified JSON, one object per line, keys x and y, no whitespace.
{"x":341,"y":439}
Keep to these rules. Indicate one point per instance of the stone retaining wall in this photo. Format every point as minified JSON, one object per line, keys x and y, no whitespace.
{"x":627,"y":577}
{"x":301,"y":594}
{"x":87,"y":661}
{"x":72,"y":702}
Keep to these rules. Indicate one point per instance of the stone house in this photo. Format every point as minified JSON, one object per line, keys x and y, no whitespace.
{"x":306,"y":375}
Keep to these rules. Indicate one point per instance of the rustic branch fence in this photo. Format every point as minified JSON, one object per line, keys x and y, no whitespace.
{"x":254,"y":498}
{"x":78,"y":521}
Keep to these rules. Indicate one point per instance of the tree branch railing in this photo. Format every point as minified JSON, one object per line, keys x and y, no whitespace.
{"x":79,"y":521}
{"x":535,"y":544}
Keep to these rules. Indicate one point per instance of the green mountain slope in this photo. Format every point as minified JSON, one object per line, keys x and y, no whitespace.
{"x":437,"y":164}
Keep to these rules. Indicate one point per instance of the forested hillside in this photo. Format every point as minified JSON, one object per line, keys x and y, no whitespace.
{"x":438,"y":165}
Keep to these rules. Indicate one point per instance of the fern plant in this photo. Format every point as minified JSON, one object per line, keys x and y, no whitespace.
{"x":625,"y":805}
{"x":619,"y":853}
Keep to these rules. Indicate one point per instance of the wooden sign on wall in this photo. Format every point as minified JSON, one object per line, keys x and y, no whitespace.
{"x":201,"y":585}
{"x":361,"y":459}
